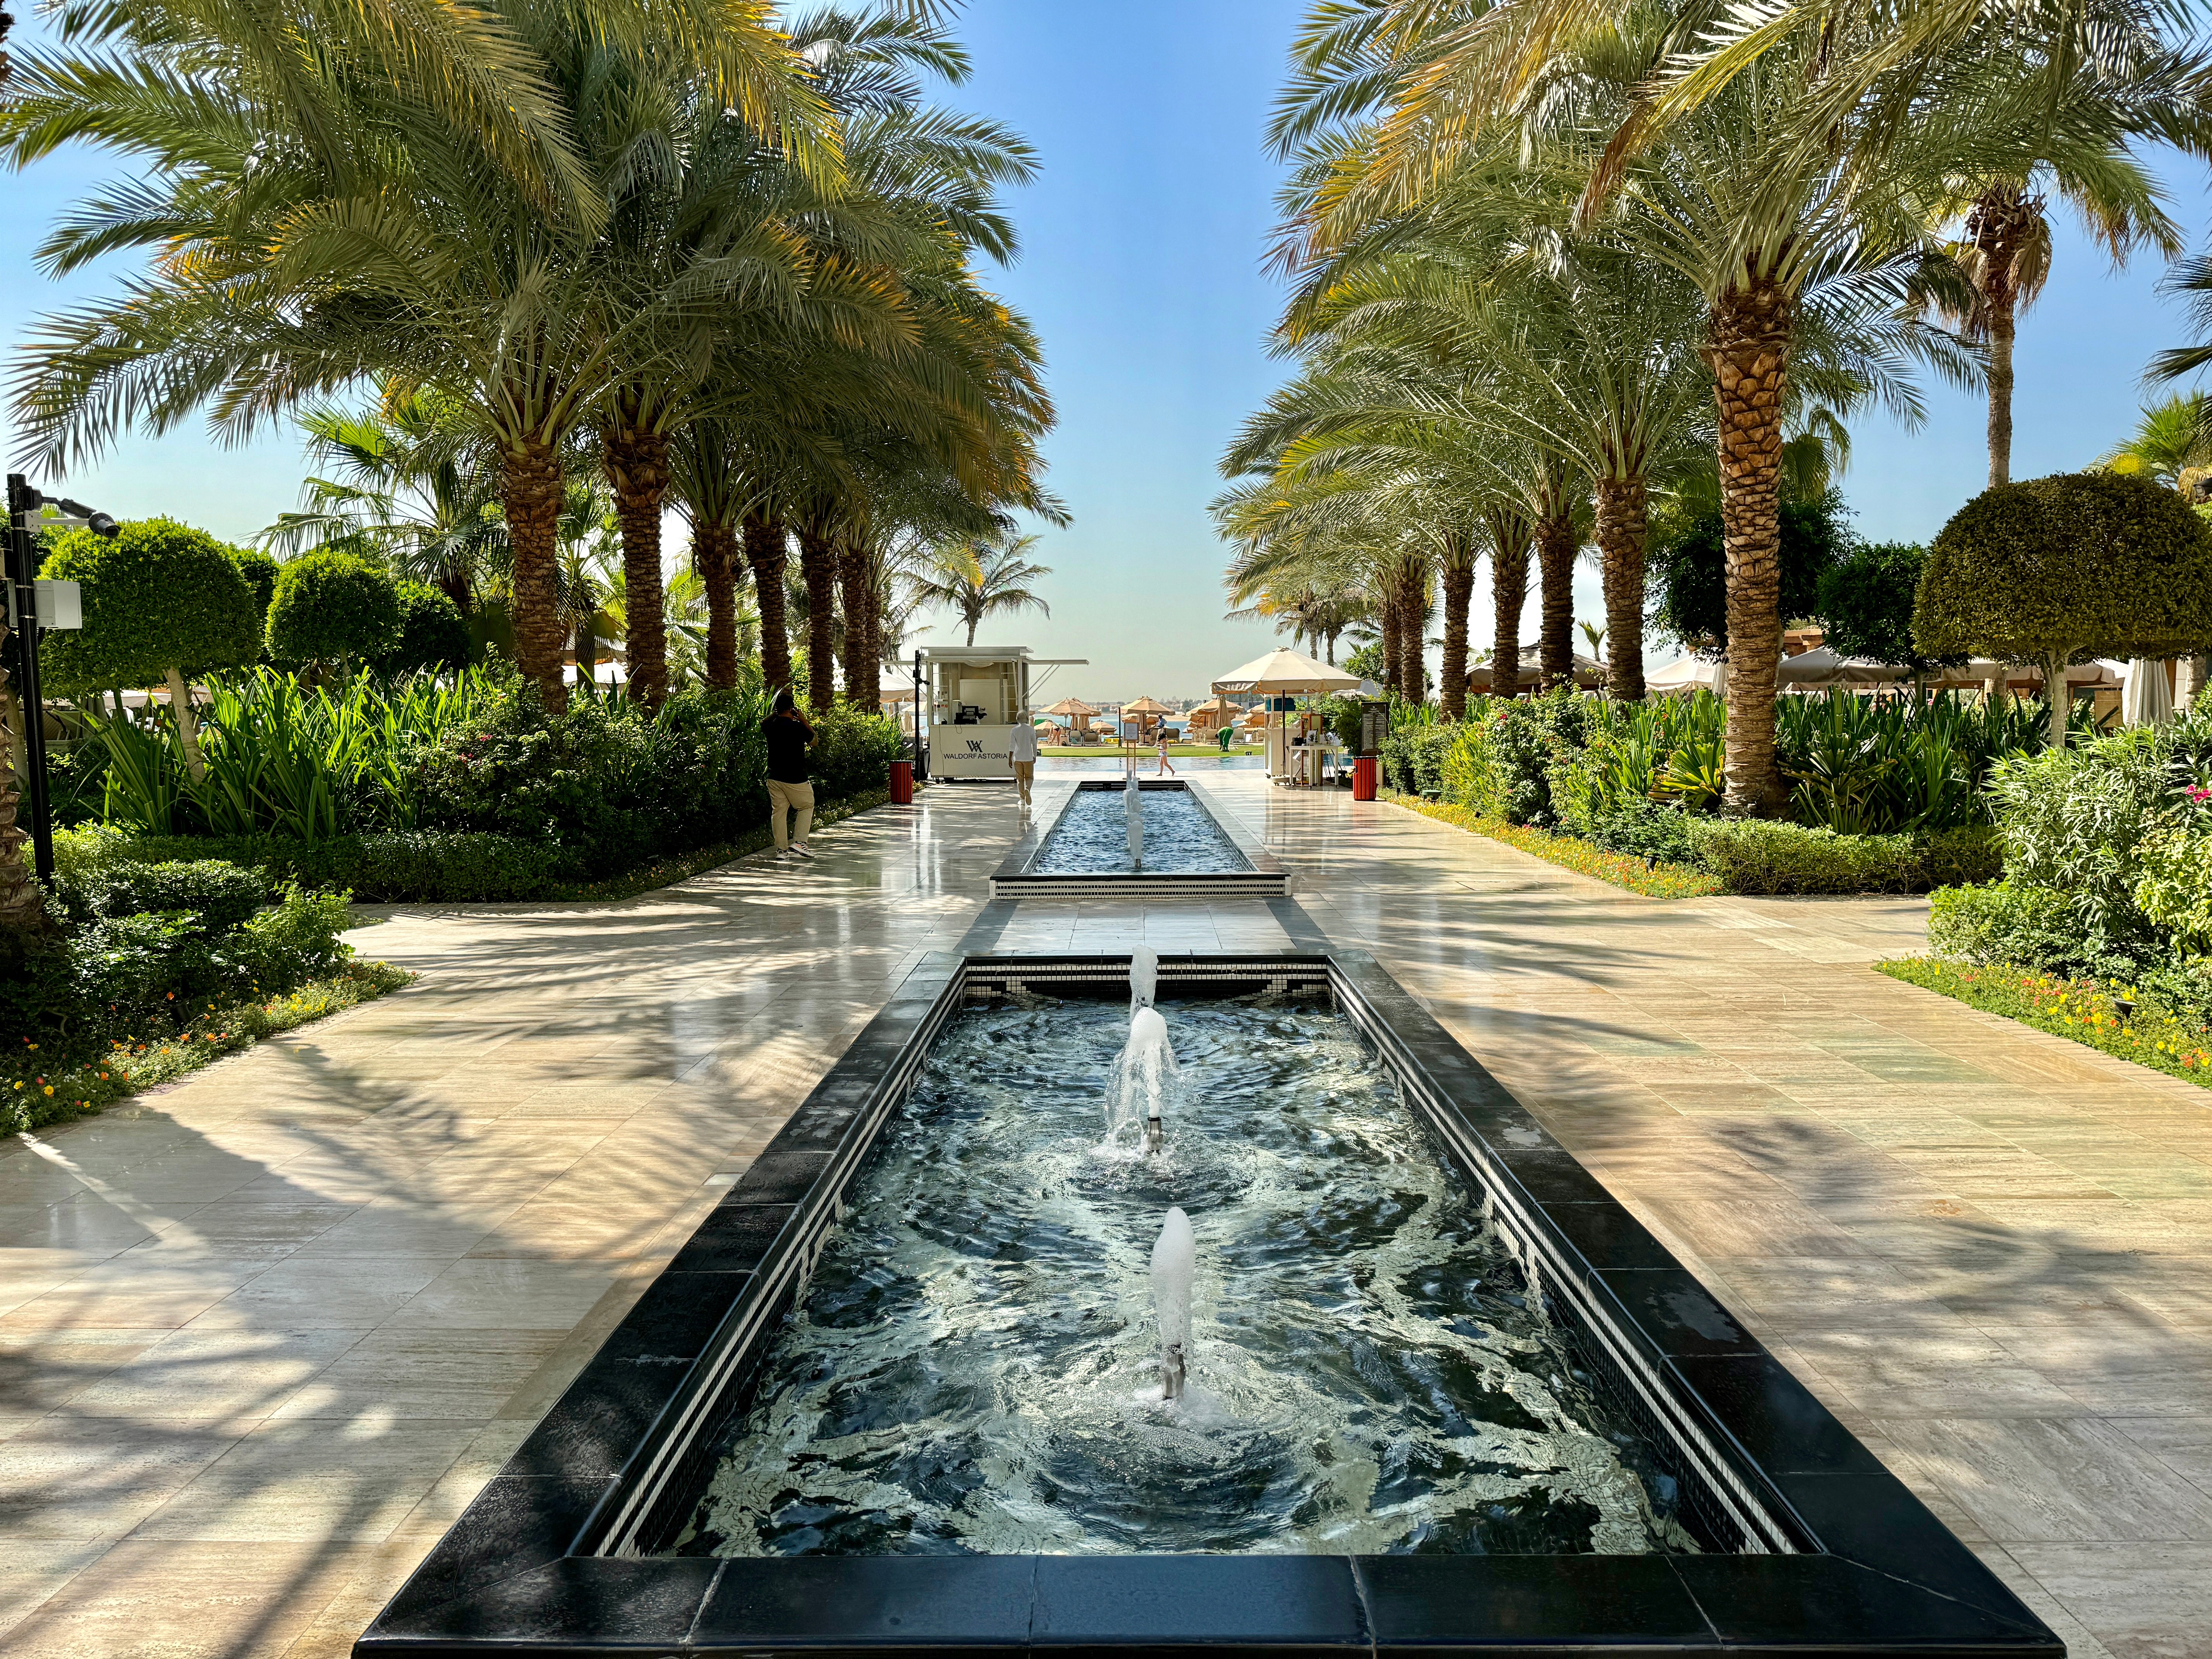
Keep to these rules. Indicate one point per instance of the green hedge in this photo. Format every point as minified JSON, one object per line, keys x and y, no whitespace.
{"x":2005,"y":922}
{"x":1760,"y":856}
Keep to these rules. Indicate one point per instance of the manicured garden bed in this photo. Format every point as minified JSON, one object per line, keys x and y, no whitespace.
{"x":1886,"y":799}
{"x":2108,"y":1016}
{"x":1651,"y":878}
{"x":41,"y":1086}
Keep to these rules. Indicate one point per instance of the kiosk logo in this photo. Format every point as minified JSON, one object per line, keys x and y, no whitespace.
{"x":974,"y":745}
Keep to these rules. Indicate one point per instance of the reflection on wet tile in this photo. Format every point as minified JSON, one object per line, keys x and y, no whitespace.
{"x":1989,"y":1250}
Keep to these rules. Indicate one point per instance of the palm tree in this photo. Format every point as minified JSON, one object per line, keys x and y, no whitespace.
{"x":2172,"y":444}
{"x":979,"y":577}
{"x":1779,"y":165}
{"x":402,"y":481}
{"x":395,"y":242}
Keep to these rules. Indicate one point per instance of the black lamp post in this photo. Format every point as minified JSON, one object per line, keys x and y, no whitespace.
{"x":24,"y":504}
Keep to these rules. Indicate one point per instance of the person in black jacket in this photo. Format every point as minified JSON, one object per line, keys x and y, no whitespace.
{"x":788,"y":789}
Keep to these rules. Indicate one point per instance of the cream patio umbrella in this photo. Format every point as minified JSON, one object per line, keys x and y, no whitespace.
{"x":1147,"y":711}
{"x":1284,"y":674}
{"x":1822,"y":667}
{"x":1684,"y":676}
{"x":1076,"y":713}
{"x":2147,"y":699}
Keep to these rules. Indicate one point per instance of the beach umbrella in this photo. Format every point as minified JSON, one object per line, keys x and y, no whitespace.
{"x":2147,"y":700}
{"x":1687,"y":675}
{"x":1286,"y":674}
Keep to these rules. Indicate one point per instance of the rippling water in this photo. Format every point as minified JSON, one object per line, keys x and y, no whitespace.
{"x":1092,"y":838}
{"x":975,"y":1366}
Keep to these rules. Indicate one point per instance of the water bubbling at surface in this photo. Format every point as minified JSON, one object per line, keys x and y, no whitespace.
{"x":975,"y":1366}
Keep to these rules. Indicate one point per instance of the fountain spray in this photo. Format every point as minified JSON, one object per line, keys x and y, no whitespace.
{"x":1175,"y":1260}
{"x":1133,"y":807}
{"x":1144,"y":978}
{"x":1140,"y":1078}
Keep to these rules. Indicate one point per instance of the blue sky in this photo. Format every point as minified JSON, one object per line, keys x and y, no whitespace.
{"x":1141,"y":269}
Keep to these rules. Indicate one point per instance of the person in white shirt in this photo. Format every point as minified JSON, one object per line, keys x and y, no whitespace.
{"x":1021,"y":747}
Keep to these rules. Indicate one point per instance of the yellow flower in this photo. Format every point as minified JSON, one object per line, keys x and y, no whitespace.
{"x":50,"y":1088}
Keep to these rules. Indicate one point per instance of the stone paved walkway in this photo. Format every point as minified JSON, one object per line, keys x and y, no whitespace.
{"x":264,"y":1334}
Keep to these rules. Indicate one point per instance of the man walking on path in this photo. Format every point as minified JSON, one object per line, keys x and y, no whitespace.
{"x":1022,"y":749}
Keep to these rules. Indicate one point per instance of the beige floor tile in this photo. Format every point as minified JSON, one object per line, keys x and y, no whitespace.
{"x":187,"y":1601}
{"x":2140,"y":1600}
{"x":352,"y":1480}
{"x":2075,"y":1480}
{"x":434,"y":1375}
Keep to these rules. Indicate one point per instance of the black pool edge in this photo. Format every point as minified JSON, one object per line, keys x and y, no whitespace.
{"x":520,"y":1573}
{"x":1265,"y":878}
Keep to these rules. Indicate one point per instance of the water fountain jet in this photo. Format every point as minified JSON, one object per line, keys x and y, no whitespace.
{"x":1175,"y":1261}
{"x":1144,"y":978}
{"x":1141,"y":1075}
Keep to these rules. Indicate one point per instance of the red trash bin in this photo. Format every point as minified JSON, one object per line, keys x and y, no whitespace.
{"x":1363,"y":777}
{"x":901,"y":783}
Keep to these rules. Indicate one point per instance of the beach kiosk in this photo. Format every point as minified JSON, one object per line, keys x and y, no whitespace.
{"x":1282,"y":678}
{"x":974,"y":693}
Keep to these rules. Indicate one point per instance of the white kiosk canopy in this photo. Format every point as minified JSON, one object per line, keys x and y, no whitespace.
{"x":976,"y":694}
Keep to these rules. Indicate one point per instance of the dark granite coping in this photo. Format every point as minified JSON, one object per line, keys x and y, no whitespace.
{"x":1265,"y":878}
{"x":549,"y":1560}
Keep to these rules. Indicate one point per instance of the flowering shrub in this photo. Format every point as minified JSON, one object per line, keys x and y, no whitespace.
{"x":40,"y":1085}
{"x":2111,"y":1015}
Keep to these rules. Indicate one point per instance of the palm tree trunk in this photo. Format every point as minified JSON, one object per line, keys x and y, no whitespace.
{"x":862,"y":683}
{"x":1509,"y":598}
{"x":766,"y":552}
{"x":1748,"y":346}
{"x":1622,"y":521}
{"x":2002,"y":222}
{"x":637,"y":468}
{"x":1459,"y":590}
{"x":1412,"y":618}
{"x":1387,"y":615}
{"x":817,"y":568}
{"x":530,"y":490}
{"x":714,"y":546}
{"x":1555,"y":562}
{"x":2002,"y":320}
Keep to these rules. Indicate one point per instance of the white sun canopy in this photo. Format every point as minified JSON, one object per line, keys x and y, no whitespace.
{"x":1286,"y":674}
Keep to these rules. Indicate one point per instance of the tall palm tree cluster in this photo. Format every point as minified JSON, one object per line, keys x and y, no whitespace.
{"x":1552,"y":261}
{"x":689,"y":255}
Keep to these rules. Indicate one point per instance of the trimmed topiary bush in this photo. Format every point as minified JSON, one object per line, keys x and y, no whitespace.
{"x":1864,"y":604}
{"x":221,"y":895}
{"x":162,"y":602}
{"x":2073,"y":565}
{"x":1759,"y":855}
{"x":434,"y":635}
{"x":333,"y":608}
